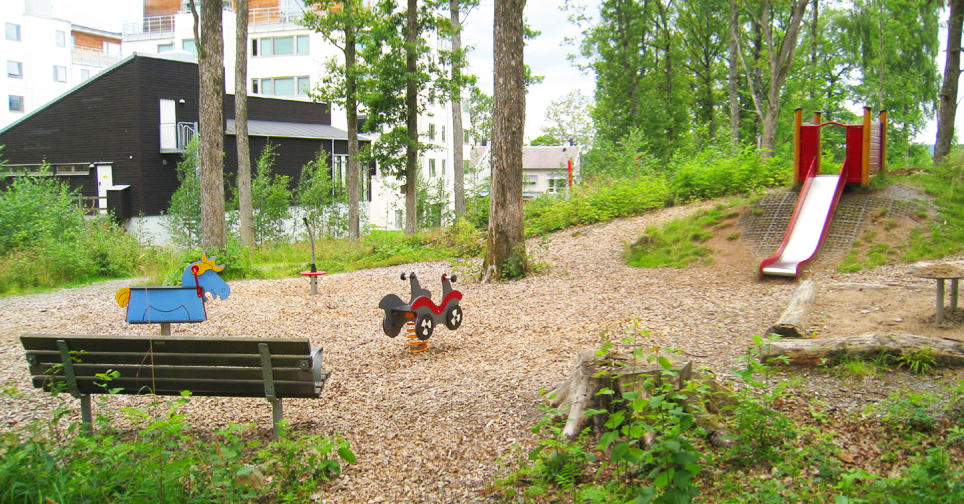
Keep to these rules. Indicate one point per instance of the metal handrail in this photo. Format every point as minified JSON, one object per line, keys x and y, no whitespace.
{"x":149,"y":28}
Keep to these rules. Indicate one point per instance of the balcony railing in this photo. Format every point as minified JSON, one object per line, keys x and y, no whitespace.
{"x":89,"y":56}
{"x":149,"y":28}
{"x":176,"y":137}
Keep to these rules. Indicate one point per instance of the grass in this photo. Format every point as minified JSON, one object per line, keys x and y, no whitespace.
{"x":681,"y":242}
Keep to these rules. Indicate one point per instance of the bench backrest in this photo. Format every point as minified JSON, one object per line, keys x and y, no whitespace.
{"x":167,"y":365}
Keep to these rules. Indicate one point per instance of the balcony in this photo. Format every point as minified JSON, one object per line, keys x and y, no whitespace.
{"x":157,"y":27}
{"x":88,"y":56}
{"x":176,"y":137}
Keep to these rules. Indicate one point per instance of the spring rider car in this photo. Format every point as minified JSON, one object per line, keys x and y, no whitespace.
{"x":420,"y":314}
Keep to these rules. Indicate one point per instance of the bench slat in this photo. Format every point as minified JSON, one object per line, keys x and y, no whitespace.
{"x":238,"y":388}
{"x":166,"y":359}
{"x":179,"y":372}
{"x":166,"y":344}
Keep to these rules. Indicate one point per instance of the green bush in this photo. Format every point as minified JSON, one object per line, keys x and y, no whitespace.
{"x":713,"y":173}
{"x":183,"y":217}
{"x":45,"y":240}
{"x":323,"y":202}
{"x":161,"y":460}
{"x":270,"y":200}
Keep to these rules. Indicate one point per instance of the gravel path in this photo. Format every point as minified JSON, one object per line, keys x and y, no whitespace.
{"x":432,"y":427}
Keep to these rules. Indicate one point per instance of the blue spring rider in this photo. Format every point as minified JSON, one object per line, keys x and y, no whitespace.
{"x":183,"y":304}
{"x":420,"y":314}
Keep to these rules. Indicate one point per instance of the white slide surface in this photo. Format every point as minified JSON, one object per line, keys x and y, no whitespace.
{"x":808,"y":228}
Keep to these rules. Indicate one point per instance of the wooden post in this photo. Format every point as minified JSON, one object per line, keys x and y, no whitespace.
{"x":165,"y":328}
{"x":940,"y":300}
{"x":883,"y":140}
{"x":817,"y":116}
{"x":797,"y":122}
{"x":865,"y":162}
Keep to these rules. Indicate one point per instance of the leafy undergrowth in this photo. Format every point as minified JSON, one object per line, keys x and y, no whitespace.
{"x":680,"y":242}
{"x":162,"y":460}
{"x":781,"y":444}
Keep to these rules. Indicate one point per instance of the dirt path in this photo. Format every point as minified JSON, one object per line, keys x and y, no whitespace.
{"x":432,"y":427}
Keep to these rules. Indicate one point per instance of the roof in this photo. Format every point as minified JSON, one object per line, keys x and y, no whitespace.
{"x":291,"y":130}
{"x":551,"y":157}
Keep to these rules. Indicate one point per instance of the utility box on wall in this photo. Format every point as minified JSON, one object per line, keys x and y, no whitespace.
{"x":119,"y":202}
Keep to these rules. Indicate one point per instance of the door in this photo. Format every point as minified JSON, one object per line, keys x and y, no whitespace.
{"x":105,"y":180}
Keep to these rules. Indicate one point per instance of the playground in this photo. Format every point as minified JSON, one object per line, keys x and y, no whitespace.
{"x":433,"y":426}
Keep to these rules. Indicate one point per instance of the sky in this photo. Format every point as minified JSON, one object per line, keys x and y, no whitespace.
{"x":546,"y":54}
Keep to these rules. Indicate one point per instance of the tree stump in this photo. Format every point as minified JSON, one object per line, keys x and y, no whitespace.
{"x":624,"y":373}
{"x":816,"y":352}
{"x":793,"y":322}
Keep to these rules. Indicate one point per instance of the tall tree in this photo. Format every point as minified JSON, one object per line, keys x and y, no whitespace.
{"x":703,"y":35}
{"x":211,"y":69}
{"x":947,"y":108}
{"x":241,"y":124}
{"x":412,"y":87}
{"x":505,"y":255}
{"x":456,"y":100}
{"x":570,"y":119}
{"x":341,"y":24}
{"x":779,"y":39}
{"x":733,"y":79}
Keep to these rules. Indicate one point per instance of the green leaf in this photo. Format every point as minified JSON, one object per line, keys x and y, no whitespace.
{"x":662,"y":481}
{"x":346,"y":454}
{"x":615,"y":420}
{"x":619,"y":451}
{"x":534,"y":454}
{"x":664,"y":362}
{"x":607,"y":439}
{"x":685,"y":421}
{"x":592,"y":412}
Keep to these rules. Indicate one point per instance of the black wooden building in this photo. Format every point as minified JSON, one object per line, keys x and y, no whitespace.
{"x":122,"y":133}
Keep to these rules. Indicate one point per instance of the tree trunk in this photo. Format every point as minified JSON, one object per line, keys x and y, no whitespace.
{"x":411,"y":104}
{"x":734,"y":75}
{"x":793,"y":322}
{"x":457,"y":135}
{"x":241,"y":125}
{"x":211,"y":69}
{"x":505,"y":254}
{"x":624,"y":373}
{"x":351,"y":111}
{"x":947,"y":109}
{"x":818,"y":352}
{"x":780,"y":64}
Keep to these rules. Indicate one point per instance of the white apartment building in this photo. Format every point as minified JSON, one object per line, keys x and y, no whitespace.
{"x":45,"y":56}
{"x":286,"y":59}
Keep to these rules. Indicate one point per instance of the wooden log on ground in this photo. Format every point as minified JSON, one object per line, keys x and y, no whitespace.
{"x":857,"y":286}
{"x":816,"y":352}
{"x":793,"y":322}
{"x":623,"y":373}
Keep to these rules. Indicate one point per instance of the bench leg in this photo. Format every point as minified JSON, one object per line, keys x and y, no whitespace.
{"x":85,"y":414}
{"x":277,"y":414}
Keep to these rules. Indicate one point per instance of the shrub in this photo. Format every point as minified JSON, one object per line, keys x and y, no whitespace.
{"x":713,"y":173}
{"x":183,"y":217}
{"x":323,"y":202}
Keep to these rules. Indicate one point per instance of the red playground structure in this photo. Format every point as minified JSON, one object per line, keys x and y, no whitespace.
{"x":865,"y":154}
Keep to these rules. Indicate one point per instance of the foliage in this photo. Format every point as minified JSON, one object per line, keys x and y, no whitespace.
{"x":160,"y":460}
{"x":430,"y":203}
{"x":480,"y":116}
{"x":714,"y":172}
{"x":320,"y":200}
{"x":945,"y":235}
{"x":545,"y":139}
{"x":599,"y":202}
{"x":183,"y":218}
{"x":678,"y":243}
{"x":270,"y":199}
{"x":46,"y":242}
{"x":570,"y":120}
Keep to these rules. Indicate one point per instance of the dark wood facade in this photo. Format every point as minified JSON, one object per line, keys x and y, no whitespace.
{"x":114,"y":118}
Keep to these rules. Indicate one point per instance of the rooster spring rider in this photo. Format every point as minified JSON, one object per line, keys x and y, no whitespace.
{"x":165,"y":305}
{"x":421,"y":315}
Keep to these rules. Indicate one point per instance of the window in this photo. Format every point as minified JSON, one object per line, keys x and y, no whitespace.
{"x":14,"y":69}
{"x":281,"y":86}
{"x":84,"y":74}
{"x":431,"y":168}
{"x":557,"y":184}
{"x":12,"y":31}
{"x":74,"y":169}
{"x":280,"y":45}
{"x":443,"y":132}
{"x":443,"y":167}
{"x":466,"y":133}
{"x":60,"y":38}
{"x":162,"y":48}
{"x":16,"y":103}
{"x":114,"y":48}
{"x":60,"y":73}
{"x":339,"y":169}
{"x":431,"y":132}
{"x":530,"y":180}
{"x":190,"y":46}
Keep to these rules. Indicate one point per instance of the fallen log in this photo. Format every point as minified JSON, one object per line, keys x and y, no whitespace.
{"x":817,"y":352}
{"x":624,"y":373}
{"x":793,"y":322}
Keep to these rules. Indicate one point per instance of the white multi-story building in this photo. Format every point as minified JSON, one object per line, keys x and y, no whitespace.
{"x":45,"y":56}
{"x":285,"y":59}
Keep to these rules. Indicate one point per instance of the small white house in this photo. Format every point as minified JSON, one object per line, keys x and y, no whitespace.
{"x":545,"y":168}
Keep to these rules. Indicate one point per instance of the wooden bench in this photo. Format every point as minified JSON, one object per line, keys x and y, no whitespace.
{"x":167,"y":365}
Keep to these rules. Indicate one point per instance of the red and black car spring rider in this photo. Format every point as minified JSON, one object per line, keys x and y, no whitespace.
{"x":420,"y":315}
